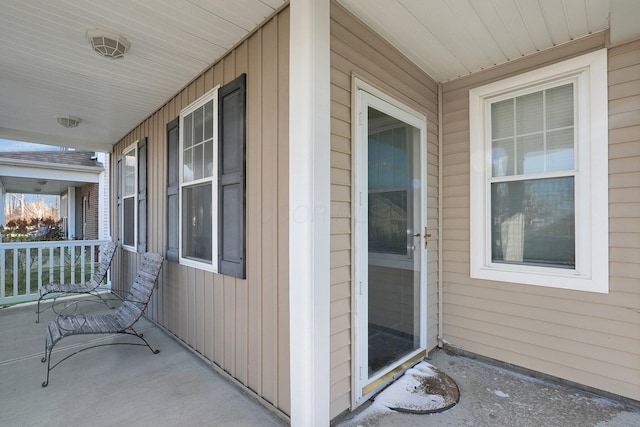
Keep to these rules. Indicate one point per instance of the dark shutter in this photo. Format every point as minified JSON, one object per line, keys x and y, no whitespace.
{"x":142,"y":195}
{"x":119,"y":199}
{"x":173,"y":166}
{"x":231,"y":178}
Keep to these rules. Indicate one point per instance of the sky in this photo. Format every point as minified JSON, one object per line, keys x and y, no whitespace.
{"x":8,"y":145}
{"x":30,"y":198}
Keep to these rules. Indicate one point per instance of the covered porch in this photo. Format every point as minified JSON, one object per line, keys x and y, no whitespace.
{"x":287,"y":329}
{"x":114,"y":385}
{"x":119,"y":385}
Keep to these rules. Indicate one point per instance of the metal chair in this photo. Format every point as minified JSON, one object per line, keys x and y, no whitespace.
{"x":63,"y":289}
{"x":121,"y":321}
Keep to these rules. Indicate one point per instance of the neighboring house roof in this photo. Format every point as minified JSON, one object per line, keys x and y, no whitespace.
{"x":75,"y":158}
{"x":47,"y":172}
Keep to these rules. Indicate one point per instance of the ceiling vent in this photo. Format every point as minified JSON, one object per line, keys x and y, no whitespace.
{"x":109,"y":45}
{"x":68,"y":121}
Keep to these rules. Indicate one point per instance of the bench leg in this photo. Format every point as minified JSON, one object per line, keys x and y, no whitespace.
{"x":141,"y":336}
{"x":47,"y":358}
{"x":38,"y":307}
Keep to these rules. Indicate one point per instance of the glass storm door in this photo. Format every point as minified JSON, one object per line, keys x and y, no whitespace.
{"x":390,"y":245}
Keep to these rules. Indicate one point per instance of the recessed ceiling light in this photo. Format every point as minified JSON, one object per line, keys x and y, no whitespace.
{"x":68,"y":121}
{"x":108,"y":44}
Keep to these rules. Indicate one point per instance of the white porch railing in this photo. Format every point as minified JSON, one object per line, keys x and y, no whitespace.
{"x":26,"y":266}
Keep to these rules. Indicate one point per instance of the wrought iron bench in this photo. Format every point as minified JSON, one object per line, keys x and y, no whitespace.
{"x":121,"y":321}
{"x":90,"y":287}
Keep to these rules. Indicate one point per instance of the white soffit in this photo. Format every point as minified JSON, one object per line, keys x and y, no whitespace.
{"x":48,"y":66}
{"x":625,"y":20}
{"x":453,"y":38}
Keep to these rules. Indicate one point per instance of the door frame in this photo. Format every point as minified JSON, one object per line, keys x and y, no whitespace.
{"x":366,"y":94}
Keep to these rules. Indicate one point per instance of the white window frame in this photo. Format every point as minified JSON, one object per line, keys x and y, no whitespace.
{"x":133,"y":147}
{"x":210,"y":96}
{"x":591,"y":273}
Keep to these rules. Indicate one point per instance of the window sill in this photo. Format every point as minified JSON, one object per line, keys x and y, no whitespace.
{"x":547,"y":277}
{"x":198,"y":265}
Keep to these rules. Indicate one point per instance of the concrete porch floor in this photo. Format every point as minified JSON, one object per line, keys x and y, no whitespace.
{"x":126,"y":385}
{"x":113,"y":385}
{"x":495,"y":396}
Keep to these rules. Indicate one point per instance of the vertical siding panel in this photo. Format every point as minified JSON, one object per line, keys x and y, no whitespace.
{"x":127,"y":270}
{"x":152,"y":238}
{"x":170,"y":112}
{"x":200,"y":86}
{"x":241,"y":325}
{"x":191,"y":94}
{"x":242,"y":58}
{"x":229,"y":286}
{"x":208,"y":80}
{"x":209,"y":316}
{"x":269,"y":213}
{"x":184,"y":99}
{"x":153,"y":194}
{"x":218,"y":76}
{"x":159,"y":194}
{"x":229,"y":71}
{"x":229,"y":283}
{"x":182,"y":288}
{"x":191,"y":306}
{"x":167,"y":285}
{"x":241,"y":330}
{"x":241,"y":298}
{"x":284,"y":396}
{"x":172,"y":299}
{"x":199,"y":310}
{"x":218,"y":323}
{"x":254,"y":211}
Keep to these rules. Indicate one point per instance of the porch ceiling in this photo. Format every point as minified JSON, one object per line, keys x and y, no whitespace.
{"x":35,"y":185}
{"x":48,"y":67}
{"x":453,"y":38}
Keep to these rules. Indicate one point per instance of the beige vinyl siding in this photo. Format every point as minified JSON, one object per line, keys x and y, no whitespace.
{"x":356,"y":50}
{"x":588,"y":338}
{"x":240,"y":325}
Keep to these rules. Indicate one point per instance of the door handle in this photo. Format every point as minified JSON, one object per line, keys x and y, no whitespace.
{"x":426,"y":237}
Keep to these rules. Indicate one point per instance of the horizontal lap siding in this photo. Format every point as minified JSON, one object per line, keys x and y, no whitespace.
{"x":240,"y":325}
{"x":356,"y":49}
{"x":588,"y":338}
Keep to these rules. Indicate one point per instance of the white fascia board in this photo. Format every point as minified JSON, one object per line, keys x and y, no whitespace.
{"x":39,"y":170}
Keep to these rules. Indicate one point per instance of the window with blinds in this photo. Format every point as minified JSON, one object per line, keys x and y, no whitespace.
{"x":533,"y":178}
{"x":538,"y":176}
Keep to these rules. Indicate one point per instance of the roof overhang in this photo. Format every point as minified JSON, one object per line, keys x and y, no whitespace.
{"x":48,"y":67}
{"x":25,"y":176}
